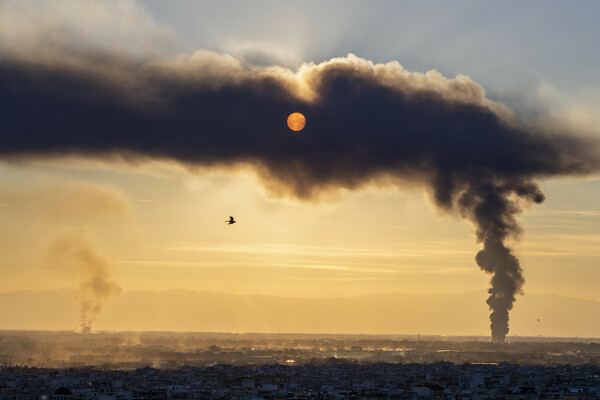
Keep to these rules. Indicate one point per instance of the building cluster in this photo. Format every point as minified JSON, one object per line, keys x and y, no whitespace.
{"x":442,"y":380}
{"x":169,"y":350}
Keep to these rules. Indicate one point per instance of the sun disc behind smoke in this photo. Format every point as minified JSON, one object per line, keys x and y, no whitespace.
{"x":296,"y":121}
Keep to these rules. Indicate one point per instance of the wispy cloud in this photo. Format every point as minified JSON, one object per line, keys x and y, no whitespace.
{"x":570,"y":213}
{"x":559,"y":226}
{"x":561,"y":245}
{"x":421,"y":249}
{"x":153,"y":201}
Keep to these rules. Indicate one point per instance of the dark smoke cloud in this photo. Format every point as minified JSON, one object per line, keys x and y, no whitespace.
{"x":365,"y":122}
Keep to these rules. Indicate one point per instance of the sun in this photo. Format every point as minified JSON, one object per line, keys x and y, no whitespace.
{"x":296,"y":121}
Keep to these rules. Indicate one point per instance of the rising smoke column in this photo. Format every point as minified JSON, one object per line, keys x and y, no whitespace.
{"x":492,"y":210}
{"x":75,"y":256}
{"x":366,"y":123}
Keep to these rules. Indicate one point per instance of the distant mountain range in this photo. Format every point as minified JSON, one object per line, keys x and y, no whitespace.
{"x":393,"y":313}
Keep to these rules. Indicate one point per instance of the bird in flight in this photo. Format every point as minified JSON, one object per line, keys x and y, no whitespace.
{"x":231,"y":221}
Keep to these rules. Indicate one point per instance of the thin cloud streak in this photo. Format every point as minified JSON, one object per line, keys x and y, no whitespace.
{"x":570,"y":213}
{"x":343,"y":270}
{"x":425,"y":249}
{"x":153,"y":201}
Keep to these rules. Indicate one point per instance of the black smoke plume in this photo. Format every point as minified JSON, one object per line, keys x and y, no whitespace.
{"x":365,"y":122}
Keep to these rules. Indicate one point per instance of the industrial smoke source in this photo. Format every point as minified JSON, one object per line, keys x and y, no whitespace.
{"x":366,"y":123}
{"x":492,"y":210}
{"x":75,"y":256}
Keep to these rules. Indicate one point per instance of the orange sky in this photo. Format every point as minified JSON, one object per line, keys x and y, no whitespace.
{"x":161,"y":227}
{"x":108,"y":227}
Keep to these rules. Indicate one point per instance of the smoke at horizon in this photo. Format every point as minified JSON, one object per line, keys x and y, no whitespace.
{"x":75,"y":256}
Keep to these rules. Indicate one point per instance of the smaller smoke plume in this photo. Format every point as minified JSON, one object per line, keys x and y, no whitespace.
{"x":75,"y":255}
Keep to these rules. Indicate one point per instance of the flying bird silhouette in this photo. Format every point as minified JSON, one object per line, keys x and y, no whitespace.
{"x":231,"y":221}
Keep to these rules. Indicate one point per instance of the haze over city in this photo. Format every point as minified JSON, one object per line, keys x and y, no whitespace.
{"x":300,"y":167}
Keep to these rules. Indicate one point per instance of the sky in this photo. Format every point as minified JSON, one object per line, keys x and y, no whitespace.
{"x":133,"y":130}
